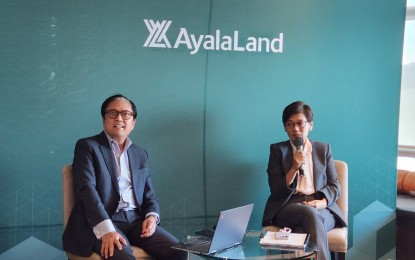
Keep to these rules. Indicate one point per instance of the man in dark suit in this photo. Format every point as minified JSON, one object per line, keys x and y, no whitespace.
{"x":303,"y":198}
{"x":115,"y":205}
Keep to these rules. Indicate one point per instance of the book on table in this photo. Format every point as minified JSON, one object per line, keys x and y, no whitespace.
{"x":294,"y":240}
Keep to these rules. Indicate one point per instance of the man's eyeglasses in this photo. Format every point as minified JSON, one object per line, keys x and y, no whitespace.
{"x":300,"y":124}
{"x":125,"y":114}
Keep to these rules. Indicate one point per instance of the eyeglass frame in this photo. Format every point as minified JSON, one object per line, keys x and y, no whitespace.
{"x":122,"y":113}
{"x":300,"y":124}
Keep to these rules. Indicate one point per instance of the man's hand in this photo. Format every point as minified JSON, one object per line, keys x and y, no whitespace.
{"x":318,"y":204}
{"x":108,"y":241}
{"x":149,"y":226}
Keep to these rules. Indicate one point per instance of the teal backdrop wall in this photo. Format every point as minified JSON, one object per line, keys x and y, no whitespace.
{"x":207,"y":119}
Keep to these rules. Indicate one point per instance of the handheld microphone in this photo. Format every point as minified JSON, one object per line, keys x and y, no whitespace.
{"x":298,"y":143}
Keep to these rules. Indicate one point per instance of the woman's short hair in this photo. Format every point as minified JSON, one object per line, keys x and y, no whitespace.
{"x":295,"y":108}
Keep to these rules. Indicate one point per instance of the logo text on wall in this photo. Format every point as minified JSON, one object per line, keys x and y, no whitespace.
{"x":157,"y":38}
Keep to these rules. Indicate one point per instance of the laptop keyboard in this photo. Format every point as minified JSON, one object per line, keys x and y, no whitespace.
{"x":201,"y":247}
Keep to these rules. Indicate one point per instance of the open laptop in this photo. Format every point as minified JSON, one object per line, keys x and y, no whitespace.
{"x":229,"y":232}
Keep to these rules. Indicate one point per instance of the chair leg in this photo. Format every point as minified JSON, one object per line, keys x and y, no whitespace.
{"x":337,"y":256}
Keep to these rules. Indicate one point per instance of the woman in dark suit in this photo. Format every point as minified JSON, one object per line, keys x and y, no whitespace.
{"x":303,"y":200}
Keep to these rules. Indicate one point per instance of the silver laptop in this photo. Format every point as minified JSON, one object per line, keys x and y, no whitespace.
{"x":229,"y":232}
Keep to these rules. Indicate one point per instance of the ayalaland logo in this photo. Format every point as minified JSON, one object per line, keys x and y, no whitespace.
{"x":157,"y":38}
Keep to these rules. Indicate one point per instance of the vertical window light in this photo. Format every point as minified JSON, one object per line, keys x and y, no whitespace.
{"x":406,"y":159}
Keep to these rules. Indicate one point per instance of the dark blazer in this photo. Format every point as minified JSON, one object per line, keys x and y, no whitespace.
{"x":325,"y":179}
{"x":97,"y":193}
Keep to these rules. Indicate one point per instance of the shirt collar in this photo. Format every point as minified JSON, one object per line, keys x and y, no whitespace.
{"x":113,"y":142}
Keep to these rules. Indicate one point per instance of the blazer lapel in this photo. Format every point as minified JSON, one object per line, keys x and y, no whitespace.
{"x":132,"y":159}
{"x":134,"y":166}
{"x":109,"y":159}
{"x":317,"y":169}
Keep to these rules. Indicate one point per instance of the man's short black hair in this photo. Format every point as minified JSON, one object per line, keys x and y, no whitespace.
{"x":114,"y":97}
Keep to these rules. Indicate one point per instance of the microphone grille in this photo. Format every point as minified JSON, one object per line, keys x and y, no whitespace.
{"x":298,"y":141}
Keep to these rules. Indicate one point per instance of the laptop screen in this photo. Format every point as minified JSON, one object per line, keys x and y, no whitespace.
{"x":231,"y":228}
